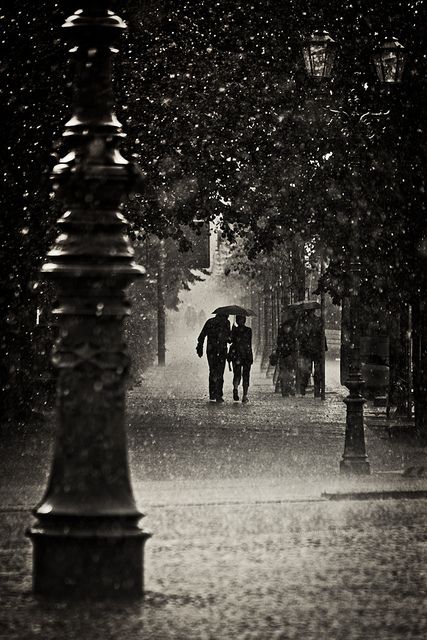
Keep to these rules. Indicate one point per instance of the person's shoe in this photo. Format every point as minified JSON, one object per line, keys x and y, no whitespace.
{"x":245,"y":399}
{"x":235,"y":395}
{"x":220,"y":399}
{"x":212,"y":399}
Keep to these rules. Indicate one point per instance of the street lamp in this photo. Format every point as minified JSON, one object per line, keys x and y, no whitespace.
{"x":319,"y":54}
{"x":389,"y":59}
{"x":320,"y":51}
{"x":86,"y":540}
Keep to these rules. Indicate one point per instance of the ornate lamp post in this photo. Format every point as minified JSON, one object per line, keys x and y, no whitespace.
{"x":86,"y":539}
{"x":389,"y":58}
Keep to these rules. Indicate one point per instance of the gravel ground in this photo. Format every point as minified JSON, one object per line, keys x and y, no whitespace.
{"x":244,"y":545}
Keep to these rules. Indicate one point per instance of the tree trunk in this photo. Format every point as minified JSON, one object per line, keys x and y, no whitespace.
{"x":259,"y":325}
{"x":399,"y":365}
{"x":266,"y":328}
{"x":161,"y":313}
{"x":322,"y":340}
{"x":345,"y":339}
{"x":420,"y":369}
{"x":298,"y":269}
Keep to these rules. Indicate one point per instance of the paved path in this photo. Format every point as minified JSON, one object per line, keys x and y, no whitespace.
{"x":244,"y":544}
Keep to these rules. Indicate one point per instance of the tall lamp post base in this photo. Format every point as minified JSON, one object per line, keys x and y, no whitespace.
{"x":85,"y":562}
{"x":355,"y":466}
{"x":354,"y":460}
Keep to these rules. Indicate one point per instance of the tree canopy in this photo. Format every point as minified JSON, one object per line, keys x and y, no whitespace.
{"x":225,"y":124}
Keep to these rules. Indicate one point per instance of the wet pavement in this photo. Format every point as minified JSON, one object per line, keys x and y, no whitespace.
{"x":245,"y":544}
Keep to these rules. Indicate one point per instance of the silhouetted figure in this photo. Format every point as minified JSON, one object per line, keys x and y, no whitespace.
{"x":241,"y":357}
{"x":310,"y":335}
{"x":190,"y":317}
{"x":286,"y":354}
{"x":217,"y":332}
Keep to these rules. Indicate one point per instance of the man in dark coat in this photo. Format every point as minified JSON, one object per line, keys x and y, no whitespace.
{"x":241,"y":357}
{"x":217,"y":332}
{"x":310,"y":336}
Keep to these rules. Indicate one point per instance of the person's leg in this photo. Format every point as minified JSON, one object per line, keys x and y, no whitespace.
{"x":219,"y":375}
{"x":282,"y":375}
{"x":212,"y":384}
{"x":317,"y":377}
{"x":291,"y":375}
{"x":305,"y":372}
{"x":246,"y":378}
{"x":237,"y":375}
{"x":286,"y":376}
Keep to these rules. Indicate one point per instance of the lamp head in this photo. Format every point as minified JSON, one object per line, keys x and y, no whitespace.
{"x":389,"y":61}
{"x":319,"y":55}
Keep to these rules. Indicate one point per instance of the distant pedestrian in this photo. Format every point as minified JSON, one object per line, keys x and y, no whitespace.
{"x":241,"y":357}
{"x":310,"y":334}
{"x":217,"y":332}
{"x":202,"y":317}
{"x":286,"y":356}
{"x":190,"y":317}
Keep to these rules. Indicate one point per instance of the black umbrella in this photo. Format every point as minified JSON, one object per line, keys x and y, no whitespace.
{"x":233,"y":310}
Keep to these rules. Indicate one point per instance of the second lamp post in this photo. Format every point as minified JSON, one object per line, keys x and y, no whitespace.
{"x":388,"y":59}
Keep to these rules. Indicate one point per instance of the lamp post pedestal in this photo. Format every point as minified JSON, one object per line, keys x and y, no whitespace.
{"x":86,"y":540}
{"x":354,"y":460}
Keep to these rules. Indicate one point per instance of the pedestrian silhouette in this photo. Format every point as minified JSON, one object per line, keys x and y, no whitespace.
{"x":310,"y":335}
{"x":241,"y":357}
{"x":286,"y":356}
{"x":217,"y":332}
{"x":190,"y":317}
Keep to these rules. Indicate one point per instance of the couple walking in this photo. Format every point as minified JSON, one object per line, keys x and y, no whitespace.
{"x":219,"y":335}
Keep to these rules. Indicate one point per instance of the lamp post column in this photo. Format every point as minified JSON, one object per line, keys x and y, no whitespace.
{"x":355,"y":459}
{"x":86,"y":540}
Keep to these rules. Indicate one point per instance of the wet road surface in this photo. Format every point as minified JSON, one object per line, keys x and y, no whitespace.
{"x":244,"y":544}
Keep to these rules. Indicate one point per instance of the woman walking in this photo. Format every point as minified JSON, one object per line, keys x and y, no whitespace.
{"x":241,"y":357}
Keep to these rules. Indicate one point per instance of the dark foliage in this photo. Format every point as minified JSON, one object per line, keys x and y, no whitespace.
{"x":223,"y":122}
